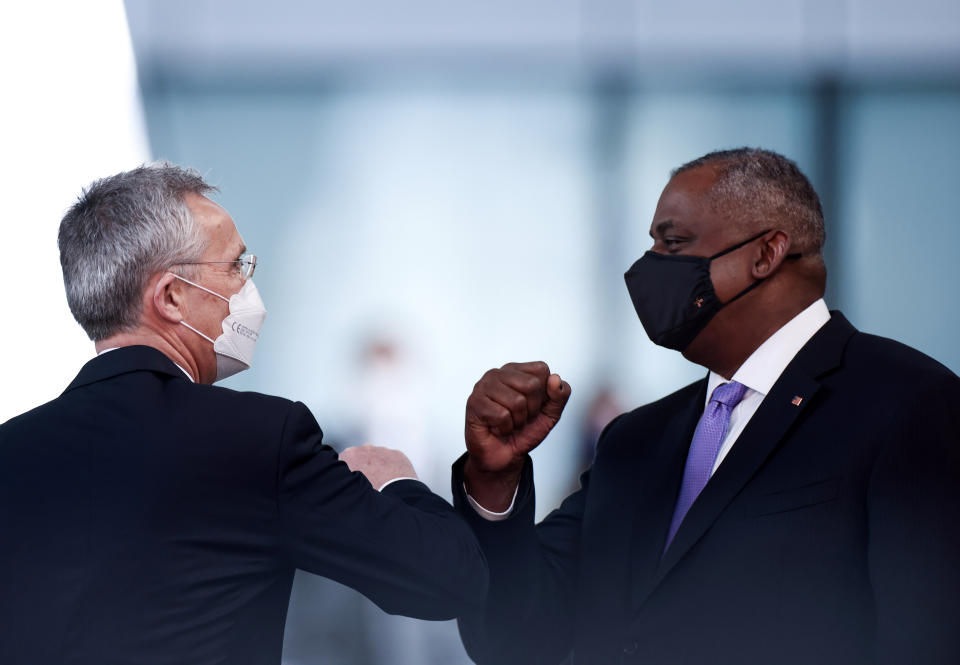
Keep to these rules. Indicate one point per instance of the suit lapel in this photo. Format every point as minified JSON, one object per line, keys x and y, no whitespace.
{"x":659,"y":487}
{"x":763,"y":434}
{"x":757,"y":441}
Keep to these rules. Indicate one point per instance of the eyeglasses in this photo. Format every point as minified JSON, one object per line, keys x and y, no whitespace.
{"x":246,"y":264}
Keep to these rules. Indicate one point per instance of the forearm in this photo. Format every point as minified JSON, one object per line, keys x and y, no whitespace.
{"x":405,"y":548}
{"x":450,"y":564}
{"x":527,"y":615}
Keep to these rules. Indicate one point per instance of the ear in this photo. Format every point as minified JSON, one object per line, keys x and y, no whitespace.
{"x":770,"y":254}
{"x":168,"y":298}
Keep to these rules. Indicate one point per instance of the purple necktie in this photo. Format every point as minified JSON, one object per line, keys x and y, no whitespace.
{"x":704,"y":448}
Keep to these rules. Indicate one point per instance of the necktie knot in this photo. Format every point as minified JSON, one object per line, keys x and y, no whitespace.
{"x":729,"y":394}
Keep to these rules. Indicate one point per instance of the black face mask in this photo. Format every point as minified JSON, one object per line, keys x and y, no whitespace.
{"x":674,"y":295}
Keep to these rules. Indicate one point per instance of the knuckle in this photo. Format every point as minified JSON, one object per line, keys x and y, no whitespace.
{"x":491,"y":378}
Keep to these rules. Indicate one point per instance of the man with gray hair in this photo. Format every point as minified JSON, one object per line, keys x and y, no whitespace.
{"x":797,"y":506}
{"x":149,"y":517}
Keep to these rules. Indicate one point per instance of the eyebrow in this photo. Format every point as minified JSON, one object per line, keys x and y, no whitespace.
{"x":662,"y":228}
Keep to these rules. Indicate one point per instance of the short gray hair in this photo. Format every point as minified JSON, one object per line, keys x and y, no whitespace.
{"x":121,"y":231}
{"x":763,"y":188}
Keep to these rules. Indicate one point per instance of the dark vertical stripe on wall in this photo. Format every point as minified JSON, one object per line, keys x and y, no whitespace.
{"x":827,"y":151}
{"x":611,"y":94}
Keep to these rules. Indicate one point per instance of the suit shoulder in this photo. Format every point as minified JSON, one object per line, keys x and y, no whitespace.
{"x":189,"y":398}
{"x":36,"y":414}
{"x":247,"y":398}
{"x":898,"y":362}
{"x":255,"y":407}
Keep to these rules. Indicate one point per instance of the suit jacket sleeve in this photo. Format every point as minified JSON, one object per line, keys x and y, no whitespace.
{"x":914,"y":542}
{"x":528,"y":618}
{"x":405,"y":548}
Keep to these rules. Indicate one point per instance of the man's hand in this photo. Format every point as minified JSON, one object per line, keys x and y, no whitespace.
{"x":511,"y":410}
{"x":379,"y":465}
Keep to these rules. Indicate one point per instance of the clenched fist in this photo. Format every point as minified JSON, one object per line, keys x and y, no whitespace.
{"x":379,"y":465}
{"x":511,"y":410}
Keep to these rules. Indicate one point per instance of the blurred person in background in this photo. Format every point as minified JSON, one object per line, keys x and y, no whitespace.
{"x":149,"y":517}
{"x":390,"y":403}
{"x":391,"y":410}
{"x":798,"y":505}
{"x":604,"y":406}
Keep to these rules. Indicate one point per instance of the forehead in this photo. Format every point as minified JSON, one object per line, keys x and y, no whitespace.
{"x":215,"y":224}
{"x":686,"y":205}
{"x":685,"y":201}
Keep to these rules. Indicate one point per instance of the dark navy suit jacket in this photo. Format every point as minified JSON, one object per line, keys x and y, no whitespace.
{"x":147,"y":519}
{"x":830,"y":535}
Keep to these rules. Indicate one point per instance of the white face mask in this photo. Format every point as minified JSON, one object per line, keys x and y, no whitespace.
{"x":241,"y":329}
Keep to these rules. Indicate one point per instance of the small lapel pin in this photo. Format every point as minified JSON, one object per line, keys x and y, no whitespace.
{"x":698,"y":302}
{"x":796,"y":401}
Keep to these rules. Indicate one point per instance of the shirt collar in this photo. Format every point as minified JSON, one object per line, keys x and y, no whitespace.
{"x":765,"y":365}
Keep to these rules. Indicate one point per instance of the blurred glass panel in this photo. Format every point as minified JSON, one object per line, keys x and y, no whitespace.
{"x":901,"y":221}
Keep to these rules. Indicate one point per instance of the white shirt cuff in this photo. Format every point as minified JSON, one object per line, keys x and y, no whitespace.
{"x":489,"y":515}
{"x":380,"y":489}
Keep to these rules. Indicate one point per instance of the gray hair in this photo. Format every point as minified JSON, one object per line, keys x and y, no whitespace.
{"x":761,"y":188}
{"x":121,"y":231}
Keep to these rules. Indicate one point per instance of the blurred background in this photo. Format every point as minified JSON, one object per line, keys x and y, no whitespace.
{"x":435,"y":188}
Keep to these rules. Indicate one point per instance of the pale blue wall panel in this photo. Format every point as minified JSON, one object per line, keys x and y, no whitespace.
{"x":901,"y":217}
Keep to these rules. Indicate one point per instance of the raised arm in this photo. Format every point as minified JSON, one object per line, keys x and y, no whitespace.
{"x":404,"y":548}
{"x":529,"y":612}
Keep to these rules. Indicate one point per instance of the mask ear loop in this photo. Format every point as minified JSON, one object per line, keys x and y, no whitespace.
{"x":739,"y":245}
{"x":202,"y":288}
{"x":795,"y":255}
{"x":744,"y":292}
{"x":197,"y":331}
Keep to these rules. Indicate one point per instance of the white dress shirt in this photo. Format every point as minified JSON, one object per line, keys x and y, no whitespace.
{"x":758,"y":373}
{"x":762,"y":369}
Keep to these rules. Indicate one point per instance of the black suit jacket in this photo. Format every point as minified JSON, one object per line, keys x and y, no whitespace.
{"x":147,"y":519}
{"x":829,"y":534}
